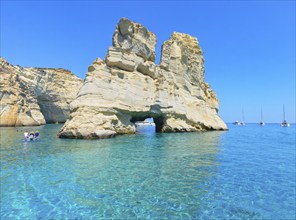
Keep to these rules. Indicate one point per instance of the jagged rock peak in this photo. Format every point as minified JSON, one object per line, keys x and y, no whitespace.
{"x":34,"y":96}
{"x":135,"y":38}
{"x":187,"y":40}
{"x":182,"y":54}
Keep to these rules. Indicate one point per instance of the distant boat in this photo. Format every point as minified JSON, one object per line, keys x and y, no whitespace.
{"x":261,"y":122}
{"x":284,"y":123}
{"x":243,"y":117}
{"x":145,"y":123}
{"x":236,"y":123}
{"x":240,"y":122}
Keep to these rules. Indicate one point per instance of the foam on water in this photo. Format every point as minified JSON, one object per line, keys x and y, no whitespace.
{"x":247,"y":172}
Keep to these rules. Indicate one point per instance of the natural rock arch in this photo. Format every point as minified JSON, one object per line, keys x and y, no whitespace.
{"x":128,"y":86}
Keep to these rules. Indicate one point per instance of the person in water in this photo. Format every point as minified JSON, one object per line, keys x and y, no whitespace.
{"x":26,"y":134}
{"x":31,"y":136}
{"x":36,"y":134}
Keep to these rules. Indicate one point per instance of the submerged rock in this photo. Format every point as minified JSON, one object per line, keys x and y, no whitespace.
{"x":128,"y":86}
{"x":34,"y":96}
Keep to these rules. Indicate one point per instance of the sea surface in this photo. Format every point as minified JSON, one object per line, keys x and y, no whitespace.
{"x":247,"y":172}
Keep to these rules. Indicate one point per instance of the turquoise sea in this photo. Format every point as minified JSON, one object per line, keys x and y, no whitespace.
{"x":247,"y":172}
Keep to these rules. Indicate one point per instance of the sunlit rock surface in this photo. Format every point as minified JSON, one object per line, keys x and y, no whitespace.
{"x":128,"y":86}
{"x":34,"y":96}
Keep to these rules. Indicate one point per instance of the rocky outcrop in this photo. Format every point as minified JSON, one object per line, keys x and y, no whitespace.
{"x":34,"y":96}
{"x":128,"y":86}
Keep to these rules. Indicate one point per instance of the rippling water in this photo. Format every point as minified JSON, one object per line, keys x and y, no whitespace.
{"x":245,"y":173}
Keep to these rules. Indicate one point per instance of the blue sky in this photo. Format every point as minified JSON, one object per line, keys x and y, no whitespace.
{"x":249,"y":46}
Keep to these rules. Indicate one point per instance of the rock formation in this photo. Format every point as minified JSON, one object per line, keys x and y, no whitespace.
{"x":128,"y":86}
{"x":34,"y":96}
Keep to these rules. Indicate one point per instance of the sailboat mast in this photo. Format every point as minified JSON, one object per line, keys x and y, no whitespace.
{"x":284,"y":112}
{"x":261,"y":114}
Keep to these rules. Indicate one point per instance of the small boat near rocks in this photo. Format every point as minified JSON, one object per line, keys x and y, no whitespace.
{"x":146,"y":123}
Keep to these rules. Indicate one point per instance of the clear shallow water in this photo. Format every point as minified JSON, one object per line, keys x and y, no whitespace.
{"x":245,"y":173}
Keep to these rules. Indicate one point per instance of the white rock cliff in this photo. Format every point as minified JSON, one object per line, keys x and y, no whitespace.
{"x":128,"y":86}
{"x":34,"y":96}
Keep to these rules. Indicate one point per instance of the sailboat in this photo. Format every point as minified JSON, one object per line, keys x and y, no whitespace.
{"x":240,"y":122}
{"x":243,"y":116}
{"x":261,"y":123}
{"x":284,"y":123}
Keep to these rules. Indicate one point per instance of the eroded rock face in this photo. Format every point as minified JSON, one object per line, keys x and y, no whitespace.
{"x":135,"y":38}
{"x":128,"y":86}
{"x":34,"y":96}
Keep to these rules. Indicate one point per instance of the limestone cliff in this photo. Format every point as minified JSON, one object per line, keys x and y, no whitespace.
{"x":128,"y":86}
{"x":34,"y":96}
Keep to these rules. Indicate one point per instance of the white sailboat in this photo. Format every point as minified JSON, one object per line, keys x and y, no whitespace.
{"x":236,"y":123}
{"x":284,"y":123}
{"x":243,"y":117}
{"x":261,"y":123}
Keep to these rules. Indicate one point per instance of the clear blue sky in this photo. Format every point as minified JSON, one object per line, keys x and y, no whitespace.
{"x":249,"y":47}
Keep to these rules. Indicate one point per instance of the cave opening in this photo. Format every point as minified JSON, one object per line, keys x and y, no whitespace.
{"x":145,"y":120}
{"x":51,"y":112}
